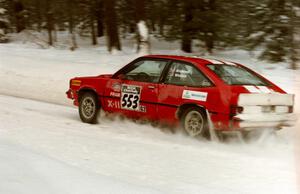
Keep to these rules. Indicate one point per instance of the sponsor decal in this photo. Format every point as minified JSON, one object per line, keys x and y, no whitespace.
{"x":116,"y":87}
{"x":115,"y":94}
{"x":194,"y":95}
{"x":113,"y":104}
{"x":130,"y":97}
{"x":182,"y":73}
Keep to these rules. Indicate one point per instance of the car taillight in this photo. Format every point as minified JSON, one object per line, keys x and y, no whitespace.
{"x":234,"y":110}
{"x":291,"y":109}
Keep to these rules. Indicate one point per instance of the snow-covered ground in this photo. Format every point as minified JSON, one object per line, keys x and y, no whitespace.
{"x":45,"y":148}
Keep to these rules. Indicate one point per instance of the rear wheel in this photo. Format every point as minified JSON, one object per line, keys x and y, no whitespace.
{"x":194,"y":122}
{"x":89,"y":108}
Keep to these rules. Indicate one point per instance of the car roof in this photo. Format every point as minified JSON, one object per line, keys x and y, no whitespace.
{"x":192,"y":59}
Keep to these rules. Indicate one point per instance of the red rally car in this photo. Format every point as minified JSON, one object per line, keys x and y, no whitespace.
{"x":200,"y":94}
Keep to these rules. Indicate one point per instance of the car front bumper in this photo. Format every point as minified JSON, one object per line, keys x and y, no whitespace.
{"x":70,"y":94}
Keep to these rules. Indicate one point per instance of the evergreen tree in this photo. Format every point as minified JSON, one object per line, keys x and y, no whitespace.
{"x":180,"y":24}
{"x":272,"y":26}
{"x":276,"y":30}
{"x":295,"y":31}
{"x":20,"y":14}
{"x":4,"y":22}
{"x":193,"y":20}
{"x":126,"y":8}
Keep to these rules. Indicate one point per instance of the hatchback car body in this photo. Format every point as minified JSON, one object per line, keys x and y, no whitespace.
{"x":196,"y":92}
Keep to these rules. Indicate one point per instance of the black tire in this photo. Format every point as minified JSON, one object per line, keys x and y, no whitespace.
{"x":194,"y":122}
{"x":89,"y":108}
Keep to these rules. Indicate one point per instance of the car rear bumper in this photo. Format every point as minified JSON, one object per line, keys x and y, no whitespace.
{"x":254,"y":121}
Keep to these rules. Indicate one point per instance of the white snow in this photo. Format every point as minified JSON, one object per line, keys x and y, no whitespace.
{"x":45,"y":148}
{"x":26,"y":171}
{"x":143,"y":30}
{"x":144,"y":45}
{"x":2,"y":10}
{"x":44,"y":144}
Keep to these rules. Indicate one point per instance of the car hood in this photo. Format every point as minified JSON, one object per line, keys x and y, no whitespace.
{"x":94,"y":77}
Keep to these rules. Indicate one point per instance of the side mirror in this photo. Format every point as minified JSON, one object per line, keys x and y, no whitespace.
{"x":121,"y":76}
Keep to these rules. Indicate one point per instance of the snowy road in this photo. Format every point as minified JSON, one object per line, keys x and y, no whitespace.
{"x":46,"y":146}
{"x":24,"y":171}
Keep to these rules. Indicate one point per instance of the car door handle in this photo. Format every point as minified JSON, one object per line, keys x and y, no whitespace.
{"x":151,"y":87}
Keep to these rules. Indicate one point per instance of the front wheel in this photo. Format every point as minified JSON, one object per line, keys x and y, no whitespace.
{"x":88,"y":108}
{"x":194,"y":121}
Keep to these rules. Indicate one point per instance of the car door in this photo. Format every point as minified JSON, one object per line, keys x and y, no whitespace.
{"x":183,"y":84}
{"x":135,"y":91}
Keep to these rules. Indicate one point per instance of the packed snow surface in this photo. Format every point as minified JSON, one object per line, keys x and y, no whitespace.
{"x":45,"y":148}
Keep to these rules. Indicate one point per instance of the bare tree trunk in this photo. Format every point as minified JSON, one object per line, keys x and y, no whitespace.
{"x":93,"y":31}
{"x":99,"y":18}
{"x":143,"y":45}
{"x":49,"y":19}
{"x":209,"y":42}
{"x":113,"y":42}
{"x":38,"y":15}
{"x":186,"y":43}
{"x":100,"y":27}
{"x":71,"y":25}
{"x":161,"y":24}
{"x":18,"y":8}
{"x":186,"y":40}
{"x":54,"y":33}
{"x":210,"y":35}
{"x":50,"y":27}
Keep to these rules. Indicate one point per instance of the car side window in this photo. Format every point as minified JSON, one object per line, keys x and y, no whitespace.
{"x":146,"y":71}
{"x":183,"y":74}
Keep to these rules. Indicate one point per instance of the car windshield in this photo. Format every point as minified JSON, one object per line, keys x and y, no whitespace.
{"x":236,"y":75}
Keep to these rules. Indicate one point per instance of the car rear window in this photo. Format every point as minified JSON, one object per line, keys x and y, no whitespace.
{"x":236,"y":75}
